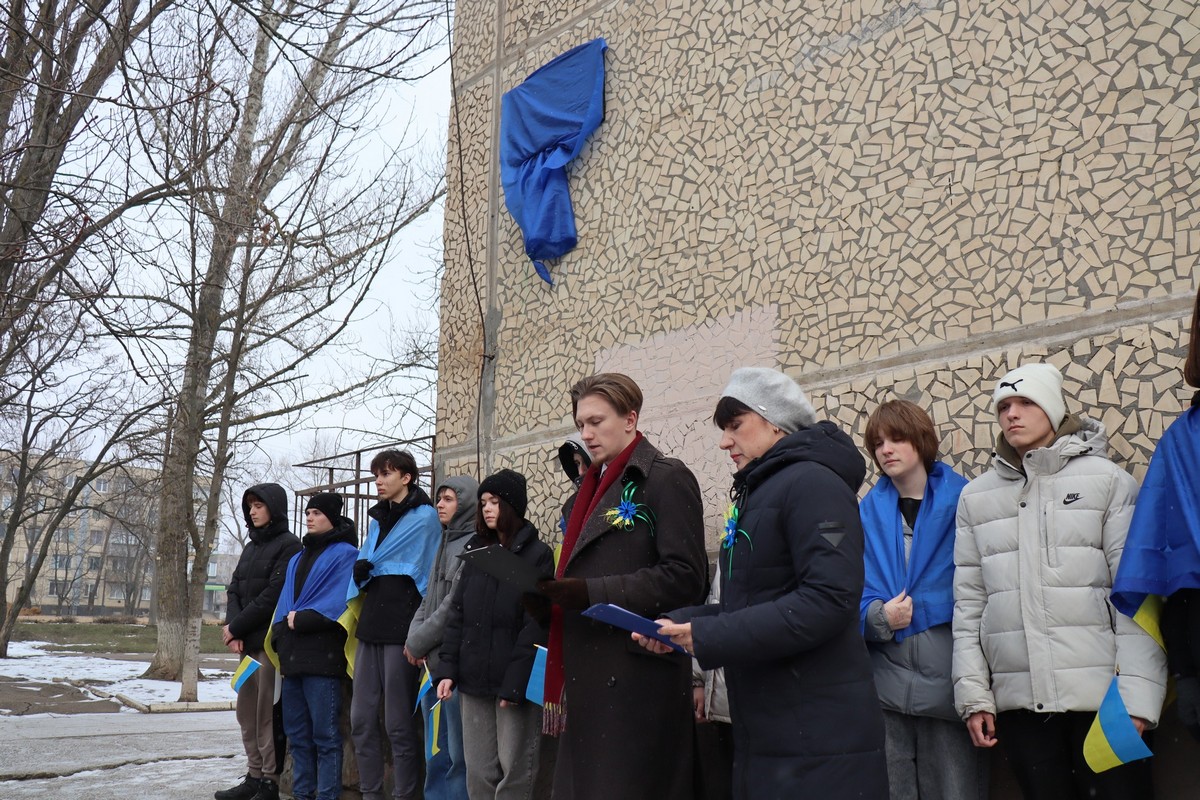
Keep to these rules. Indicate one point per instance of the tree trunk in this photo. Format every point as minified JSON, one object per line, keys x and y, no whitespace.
{"x":188,"y":691}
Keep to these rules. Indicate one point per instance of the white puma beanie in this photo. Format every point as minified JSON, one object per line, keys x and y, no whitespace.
{"x":1041,"y":383}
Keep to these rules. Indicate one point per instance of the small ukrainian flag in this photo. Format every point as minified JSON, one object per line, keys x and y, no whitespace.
{"x":433,"y":726}
{"x":245,"y":669}
{"x":1113,"y":740}
{"x":424,"y":687}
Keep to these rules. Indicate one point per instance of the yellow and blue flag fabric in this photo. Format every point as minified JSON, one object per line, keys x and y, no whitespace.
{"x":433,"y":728}
{"x":349,"y":622}
{"x":423,"y":689}
{"x":1113,"y":740}
{"x":1162,"y":548}
{"x":242,"y":674}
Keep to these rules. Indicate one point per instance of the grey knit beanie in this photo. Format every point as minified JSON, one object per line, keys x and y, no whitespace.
{"x":1041,"y":383}
{"x":773,"y":395}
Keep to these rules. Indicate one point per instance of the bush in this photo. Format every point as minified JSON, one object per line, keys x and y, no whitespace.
{"x":64,"y":620}
{"x":30,"y":611}
{"x":117,"y":619}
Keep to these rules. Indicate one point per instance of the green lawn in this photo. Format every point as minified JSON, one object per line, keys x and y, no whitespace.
{"x":104,"y":637}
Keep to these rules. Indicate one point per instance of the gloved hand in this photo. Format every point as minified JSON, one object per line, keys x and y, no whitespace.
{"x":537,"y":606}
{"x":1187,"y":703}
{"x":570,"y":593}
{"x":362,"y":571}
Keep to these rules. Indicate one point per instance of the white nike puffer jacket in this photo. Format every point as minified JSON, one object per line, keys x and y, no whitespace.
{"x":1034,"y":564}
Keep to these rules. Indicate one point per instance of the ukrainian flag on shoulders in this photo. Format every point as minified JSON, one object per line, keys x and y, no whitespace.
{"x":1113,"y":740}
{"x":242,"y":674}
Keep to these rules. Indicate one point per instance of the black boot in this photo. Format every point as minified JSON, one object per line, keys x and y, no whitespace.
{"x":267,"y":790}
{"x":246,"y":790}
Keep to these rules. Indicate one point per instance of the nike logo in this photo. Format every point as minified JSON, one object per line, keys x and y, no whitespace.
{"x":1071,"y":498}
{"x":1011,"y":384}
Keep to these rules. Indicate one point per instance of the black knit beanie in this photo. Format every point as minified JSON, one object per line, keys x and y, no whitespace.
{"x":509,"y":486}
{"x":328,"y":503}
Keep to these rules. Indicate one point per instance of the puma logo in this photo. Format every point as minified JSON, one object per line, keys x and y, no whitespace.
{"x":1071,"y":498}
{"x":1011,"y":384}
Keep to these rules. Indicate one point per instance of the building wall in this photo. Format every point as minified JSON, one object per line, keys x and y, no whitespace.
{"x":884,"y":198}
{"x":100,"y":551}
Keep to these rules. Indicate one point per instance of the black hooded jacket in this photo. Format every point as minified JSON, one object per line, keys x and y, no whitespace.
{"x":317,"y":645}
{"x":801,"y":692}
{"x":258,"y":578}
{"x":488,"y":649}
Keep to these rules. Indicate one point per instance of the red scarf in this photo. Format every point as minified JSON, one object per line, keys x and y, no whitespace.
{"x":554,"y":718}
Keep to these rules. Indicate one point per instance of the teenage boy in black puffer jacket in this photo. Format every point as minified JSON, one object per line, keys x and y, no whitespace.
{"x":253,"y":593}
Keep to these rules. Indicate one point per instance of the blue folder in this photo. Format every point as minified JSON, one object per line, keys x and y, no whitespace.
{"x":627,"y":620}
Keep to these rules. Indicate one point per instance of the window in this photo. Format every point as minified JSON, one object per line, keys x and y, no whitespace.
{"x":102,"y":484}
{"x":58,"y":588}
{"x":62,"y":562}
{"x":96,"y":537}
{"x":94,"y":563}
{"x":145,"y":594}
{"x":97,"y":514}
{"x":116,"y":592}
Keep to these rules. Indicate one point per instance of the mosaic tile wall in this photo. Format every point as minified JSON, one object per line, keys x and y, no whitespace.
{"x":1129,"y":380}
{"x":880,"y":197}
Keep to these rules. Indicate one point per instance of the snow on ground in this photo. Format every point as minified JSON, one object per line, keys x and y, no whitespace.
{"x":30,"y":661}
{"x":185,"y":779}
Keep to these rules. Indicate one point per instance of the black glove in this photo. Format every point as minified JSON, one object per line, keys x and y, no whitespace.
{"x":362,"y":571}
{"x":1187,"y":703}
{"x":537,"y":606}
{"x":570,"y":593}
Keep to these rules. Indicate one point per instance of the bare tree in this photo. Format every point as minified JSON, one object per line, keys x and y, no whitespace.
{"x":61,"y":99}
{"x":271,"y":261}
{"x":70,"y":421}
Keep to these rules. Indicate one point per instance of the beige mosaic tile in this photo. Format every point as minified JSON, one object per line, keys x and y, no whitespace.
{"x":887,"y":181}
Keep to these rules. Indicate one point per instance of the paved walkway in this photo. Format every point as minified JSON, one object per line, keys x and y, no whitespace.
{"x":119,"y":756}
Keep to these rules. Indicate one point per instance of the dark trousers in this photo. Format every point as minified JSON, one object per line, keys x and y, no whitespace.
{"x":385,"y":685}
{"x":311,"y":705}
{"x":1045,"y":752}
{"x":713,"y":760}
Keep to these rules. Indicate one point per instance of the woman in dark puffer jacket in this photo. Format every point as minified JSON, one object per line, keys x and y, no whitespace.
{"x":806,"y":720}
{"x":489,"y":647}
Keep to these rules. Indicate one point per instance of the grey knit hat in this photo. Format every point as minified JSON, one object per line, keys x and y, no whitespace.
{"x":773,"y":395}
{"x":1041,"y":383}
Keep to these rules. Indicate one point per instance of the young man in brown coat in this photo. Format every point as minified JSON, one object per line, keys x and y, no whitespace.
{"x":635,"y":538}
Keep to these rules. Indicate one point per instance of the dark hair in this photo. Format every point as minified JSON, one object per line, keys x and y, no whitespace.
{"x":1191,"y":364}
{"x":508,"y":522}
{"x":902,"y":421}
{"x":621,"y":392}
{"x":398,"y":460}
{"x":728,"y":409}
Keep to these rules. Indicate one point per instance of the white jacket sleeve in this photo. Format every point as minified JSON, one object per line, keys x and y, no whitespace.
{"x":1142,"y":663}
{"x":970,"y":671}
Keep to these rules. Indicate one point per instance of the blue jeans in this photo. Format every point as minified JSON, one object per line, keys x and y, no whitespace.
{"x":311,"y":705}
{"x":446,"y":772}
